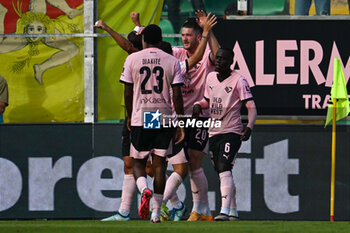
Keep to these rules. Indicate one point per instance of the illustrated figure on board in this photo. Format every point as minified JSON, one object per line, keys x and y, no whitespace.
{"x":35,"y":21}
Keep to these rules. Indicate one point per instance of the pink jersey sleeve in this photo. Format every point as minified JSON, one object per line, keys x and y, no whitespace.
{"x":176,"y":51}
{"x":178,"y":78}
{"x":243,"y":89}
{"x":184,"y":67}
{"x":127,"y":72}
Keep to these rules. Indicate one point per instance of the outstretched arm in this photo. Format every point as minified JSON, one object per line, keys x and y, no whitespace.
{"x":207,"y":24}
{"x":121,"y":40}
{"x":213,"y":43}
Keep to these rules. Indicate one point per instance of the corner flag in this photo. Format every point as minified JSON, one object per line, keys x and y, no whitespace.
{"x":340,"y":93}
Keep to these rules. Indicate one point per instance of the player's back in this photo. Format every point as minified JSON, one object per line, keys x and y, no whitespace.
{"x":152,"y":72}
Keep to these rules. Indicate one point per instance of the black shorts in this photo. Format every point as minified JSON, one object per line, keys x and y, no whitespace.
{"x":148,"y":139}
{"x":125,"y":140}
{"x":195,"y":138}
{"x":176,"y":148}
{"x":224,"y":147}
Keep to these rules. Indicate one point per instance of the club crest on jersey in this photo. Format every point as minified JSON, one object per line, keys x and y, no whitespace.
{"x":151,"y":120}
{"x":187,"y":80}
{"x":228,"y":89}
{"x":198,"y":65}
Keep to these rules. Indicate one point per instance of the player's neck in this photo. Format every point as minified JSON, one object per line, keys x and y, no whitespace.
{"x":223,"y":75}
{"x":191,"y":52}
{"x":151,"y":46}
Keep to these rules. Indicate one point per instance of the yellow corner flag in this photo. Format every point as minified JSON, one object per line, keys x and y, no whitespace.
{"x":340,"y":93}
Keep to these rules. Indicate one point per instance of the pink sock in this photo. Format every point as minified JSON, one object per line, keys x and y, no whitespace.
{"x":199,"y":186}
{"x":174,"y":199}
{"x":171,"y":186}
{"x":195,"y":185}
{"x":157,"y":203}
{"x":233,"y":204}
{"x":226,"y":188}
{"x":128,"y":190}
{"x":141,"y":183}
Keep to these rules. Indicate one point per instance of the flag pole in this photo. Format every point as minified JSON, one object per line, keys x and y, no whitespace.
{"x":334,"y":125}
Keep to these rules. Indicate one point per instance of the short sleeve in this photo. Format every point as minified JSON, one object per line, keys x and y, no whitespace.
{"x":126,"y":75}
{"x":243,"y":89}
{"x":184,"y":67}
{"x":178,"y":78}
{"x":176,"y":51}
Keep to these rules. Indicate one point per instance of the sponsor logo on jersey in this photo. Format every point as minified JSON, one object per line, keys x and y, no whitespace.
{"x":152,"y":100}
{"x":225,"y":156}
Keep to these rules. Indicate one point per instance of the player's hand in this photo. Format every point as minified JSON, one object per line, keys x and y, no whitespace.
{"x":246,"y":134}
{"x":208,"y":23}
{"x":135,"y":17}
{"x":197,"y":109}
{"x":140,"y":30}
{"x":201,"y":17}
{"x":180,"y":135}
{"x":128,"y":123}
{"x":100,"y":24}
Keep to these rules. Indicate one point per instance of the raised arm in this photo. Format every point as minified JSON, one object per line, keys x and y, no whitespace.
{"x":121,"y":40}
{"x":135,"y":17}
{"x":207,"y":24}
{"x":213,"y":43}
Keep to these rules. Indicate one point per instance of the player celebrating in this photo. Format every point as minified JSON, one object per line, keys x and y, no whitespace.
{"x":196,"y":139}
{"x":180,"y":171}
{"x":225,"y":93}
{"x":150,"y":74}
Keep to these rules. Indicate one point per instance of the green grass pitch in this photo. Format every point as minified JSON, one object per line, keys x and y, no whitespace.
{"x":75,"y":226}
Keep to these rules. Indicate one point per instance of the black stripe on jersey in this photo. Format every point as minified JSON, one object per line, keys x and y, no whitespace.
{"x":127,"y":83}
{"x":246,"y":100}
{"x":186,"y":62}
{"x":207,"y":99}
{"x":210,"y":59}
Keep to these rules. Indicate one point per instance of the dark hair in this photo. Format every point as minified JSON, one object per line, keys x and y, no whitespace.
{"x":152,"y":34}
{"x":228,"y":51}
{"x":136,"y":40}
{"x":192,"y":23}
{"x":166,"y":47}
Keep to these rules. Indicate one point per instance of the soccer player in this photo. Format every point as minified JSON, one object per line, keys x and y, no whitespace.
{"x":196,"y":139}
{"x":132,"y":45}
{"x":150,"y":74}
{"x":176,"y":178}
{"x":225,"y":93}
{"x":180,"y":172}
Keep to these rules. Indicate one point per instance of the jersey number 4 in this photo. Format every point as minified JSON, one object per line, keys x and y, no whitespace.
{"x":159,"y":73}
